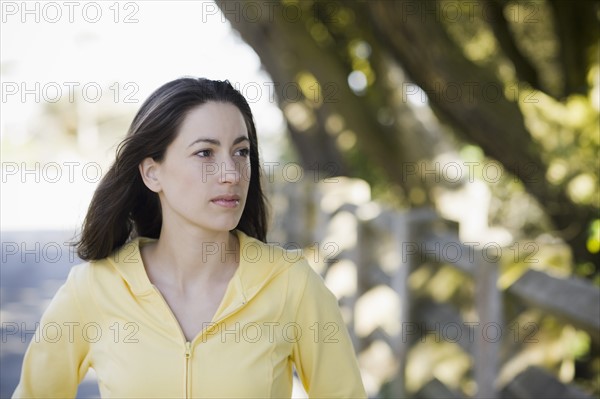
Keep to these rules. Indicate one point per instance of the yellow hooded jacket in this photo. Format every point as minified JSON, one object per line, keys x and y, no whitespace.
{"x":276,"y":312}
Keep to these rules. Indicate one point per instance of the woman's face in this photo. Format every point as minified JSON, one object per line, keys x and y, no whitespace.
{"x":204,"y":176}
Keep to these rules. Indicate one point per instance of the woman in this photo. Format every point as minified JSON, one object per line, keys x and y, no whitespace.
{"x":180,"y":295}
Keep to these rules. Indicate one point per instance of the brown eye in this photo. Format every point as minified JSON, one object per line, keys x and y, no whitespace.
{"x":244,"y":152}
{"x":204,"y":153}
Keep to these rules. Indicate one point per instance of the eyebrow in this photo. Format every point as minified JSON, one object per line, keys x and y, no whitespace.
{"x":217,"y":142}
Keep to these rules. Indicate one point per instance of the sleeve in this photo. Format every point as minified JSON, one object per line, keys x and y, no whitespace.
{"x":323,"y":353}
{"x":57,"y":358}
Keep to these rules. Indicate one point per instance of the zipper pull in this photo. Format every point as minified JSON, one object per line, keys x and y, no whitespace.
{"x":188,"y":349}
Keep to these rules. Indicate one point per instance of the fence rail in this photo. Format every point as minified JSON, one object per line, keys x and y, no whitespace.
{"x":386,"y":247}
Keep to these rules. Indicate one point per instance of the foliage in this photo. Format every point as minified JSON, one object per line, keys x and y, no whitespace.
{"x":519,"y":80}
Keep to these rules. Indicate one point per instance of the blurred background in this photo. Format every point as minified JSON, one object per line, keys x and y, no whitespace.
{"x":436,"y":162}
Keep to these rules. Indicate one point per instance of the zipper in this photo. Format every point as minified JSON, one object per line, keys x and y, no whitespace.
{"x":188,"y":355}
{"x":188,"y":344}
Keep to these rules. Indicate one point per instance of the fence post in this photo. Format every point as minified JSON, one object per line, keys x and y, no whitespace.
{"x":488,"y":334}
{"x":408,"y":230}
{"x":399,"y":283}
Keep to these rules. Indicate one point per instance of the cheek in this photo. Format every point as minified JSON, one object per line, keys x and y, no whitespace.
{"x":245,"y":173}
{"x":181,"y":179}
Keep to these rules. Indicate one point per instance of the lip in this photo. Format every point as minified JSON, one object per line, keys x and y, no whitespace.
{"x":226,"y":201}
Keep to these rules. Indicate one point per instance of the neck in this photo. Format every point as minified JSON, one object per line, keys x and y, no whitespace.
{"x":187,"y":259}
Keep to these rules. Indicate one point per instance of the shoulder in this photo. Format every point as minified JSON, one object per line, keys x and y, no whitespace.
{"x":78,"y":285}
{"x":79,"y":276}
{"x":272,"y":255}
{"x":271,"y":259}
{"x":257,"y":252}
{"x":82,"y":274}
{"x":84,"y":279}
{"x":69,"y":301}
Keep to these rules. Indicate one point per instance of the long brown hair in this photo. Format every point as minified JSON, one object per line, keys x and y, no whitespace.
{"x":123,"y":208}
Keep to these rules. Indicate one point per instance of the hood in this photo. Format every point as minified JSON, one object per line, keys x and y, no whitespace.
{"x":259,"y":264}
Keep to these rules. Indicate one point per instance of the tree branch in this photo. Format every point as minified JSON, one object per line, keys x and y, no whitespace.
{"x":524,"y":69}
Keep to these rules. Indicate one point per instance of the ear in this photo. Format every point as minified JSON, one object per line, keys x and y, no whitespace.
{"x":149,"y":170}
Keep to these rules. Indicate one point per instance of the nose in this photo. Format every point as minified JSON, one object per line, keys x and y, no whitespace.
{"x":229,"y":171}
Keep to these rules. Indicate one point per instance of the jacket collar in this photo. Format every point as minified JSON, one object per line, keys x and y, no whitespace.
{"x":259,"y":263}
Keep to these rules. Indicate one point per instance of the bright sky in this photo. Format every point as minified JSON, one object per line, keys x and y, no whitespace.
{"x":162,"y":41}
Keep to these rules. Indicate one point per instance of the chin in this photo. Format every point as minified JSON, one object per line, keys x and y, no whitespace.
{"x":227,"y":226}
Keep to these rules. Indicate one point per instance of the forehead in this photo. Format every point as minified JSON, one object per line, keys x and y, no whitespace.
{"x":213,"y":119}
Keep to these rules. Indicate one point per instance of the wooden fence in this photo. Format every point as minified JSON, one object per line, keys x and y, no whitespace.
{"x":355,"y":240}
